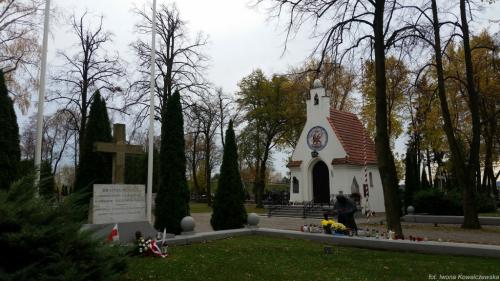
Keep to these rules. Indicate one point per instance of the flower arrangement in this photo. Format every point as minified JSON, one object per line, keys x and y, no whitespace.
{"x":327,"y":225}
{"x":338,"y":227}
{"x":331,"y":225}
{"x":149,"y":247}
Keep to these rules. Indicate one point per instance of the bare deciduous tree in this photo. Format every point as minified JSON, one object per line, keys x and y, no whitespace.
{"x":338,"y":80}
{"x":180,"y":62}
{"x":19,"y":47}
{"x":89,"y":69}
{"x":226,"y":111}
{"x":209,"y":121}
{"x":205,"y":118}
{"x":194,"y":150}
{"x":58,"y":131}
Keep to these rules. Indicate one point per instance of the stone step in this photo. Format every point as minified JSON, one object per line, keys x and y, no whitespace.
{"x":295,"y":211}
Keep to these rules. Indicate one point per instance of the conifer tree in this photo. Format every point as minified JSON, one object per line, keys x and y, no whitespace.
{"x":95,"y":167}
{"x":10,"y":153}
{"x":412,"y":183}
{"x":228,"y":208}
{"x":172,"y":199}
{"x":47,"y":183}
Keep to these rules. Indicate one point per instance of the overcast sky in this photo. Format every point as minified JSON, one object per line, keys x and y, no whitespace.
{"x":241,"y":38}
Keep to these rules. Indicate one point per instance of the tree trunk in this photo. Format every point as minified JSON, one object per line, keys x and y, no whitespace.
{"x":193,"y":164}
{"x":208,"y":169}
{"x":256,"y":182}
{"x":419,"y":158}
{"x":385,"y":158}
{"x":490,"y":131}
{"x":462,"y":179}
{"x":221,"y":116}
{"x":261,"y":183}
{"x":429,"y":172}
{"x":471,"y":219}
{"x":495,"y":189}
{"x":83,"y":121}
{"x":77,"y":152}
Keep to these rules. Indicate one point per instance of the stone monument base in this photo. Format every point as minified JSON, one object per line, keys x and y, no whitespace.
{"x":126,"y":230}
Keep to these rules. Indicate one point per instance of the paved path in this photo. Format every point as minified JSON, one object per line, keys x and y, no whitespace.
{"x":452,"y":233}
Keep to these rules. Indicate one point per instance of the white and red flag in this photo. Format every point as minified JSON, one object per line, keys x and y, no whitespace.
{"x":156,"y":250}
{"x":114,"y":235}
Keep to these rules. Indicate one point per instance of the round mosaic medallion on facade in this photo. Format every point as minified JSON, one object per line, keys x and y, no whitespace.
{"x":317,"y":138}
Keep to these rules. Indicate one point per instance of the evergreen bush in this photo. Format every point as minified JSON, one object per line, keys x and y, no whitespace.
{"x":172,"y":199}
{"x":228,"y":207}
{"x":435,"y":202}
{"x":10,"y":152}
{"x":485,"y":203}
{"x":94,"y":167}
{"x":40,"y":240}
{"x":47,"y":184}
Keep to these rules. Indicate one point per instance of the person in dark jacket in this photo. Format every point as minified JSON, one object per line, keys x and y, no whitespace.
{"x":345,"y":210}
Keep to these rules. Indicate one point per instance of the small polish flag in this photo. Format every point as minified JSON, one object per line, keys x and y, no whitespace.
{"x":114,"y":235}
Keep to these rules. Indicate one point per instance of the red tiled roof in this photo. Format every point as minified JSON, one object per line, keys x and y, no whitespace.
{"x":294,"y":164}
{"x":352,"y":135}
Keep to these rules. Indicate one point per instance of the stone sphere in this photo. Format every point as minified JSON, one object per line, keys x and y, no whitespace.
{"x":187,"y":224}
{"x":410,"y":210}
{"x":317,"y":84}
{"x":253,"y":219}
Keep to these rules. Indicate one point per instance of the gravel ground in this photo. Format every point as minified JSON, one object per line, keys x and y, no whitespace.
{"x":452,"y":233}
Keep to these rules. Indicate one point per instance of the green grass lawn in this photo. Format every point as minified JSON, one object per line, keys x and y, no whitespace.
{"x":263,"y":258}
{"x":494,"y":214}
{"x":204,"y":208}
{"x":199,"y":207}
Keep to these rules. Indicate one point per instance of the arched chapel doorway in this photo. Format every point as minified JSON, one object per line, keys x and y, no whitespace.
{"x":321,"y":183}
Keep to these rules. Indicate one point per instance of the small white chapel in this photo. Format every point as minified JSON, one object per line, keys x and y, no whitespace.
{"x":334,"y":155}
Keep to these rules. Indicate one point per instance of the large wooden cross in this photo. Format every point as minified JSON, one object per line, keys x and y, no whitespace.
{"x":119,"y":148}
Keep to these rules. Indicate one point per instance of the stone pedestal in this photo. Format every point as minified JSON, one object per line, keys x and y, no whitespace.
{"x":121,"y":204}
{"x":113,"y":203}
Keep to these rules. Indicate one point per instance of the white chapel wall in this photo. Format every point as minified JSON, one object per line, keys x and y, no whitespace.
{"x":340,"y":175}
{"x":343,"y":176}
{"x":316,"y":116}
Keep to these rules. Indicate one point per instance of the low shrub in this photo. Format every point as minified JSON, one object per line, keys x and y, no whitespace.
{"x":40,"y":240}
{"x":435,"y":202}
{"x":485,"y":204}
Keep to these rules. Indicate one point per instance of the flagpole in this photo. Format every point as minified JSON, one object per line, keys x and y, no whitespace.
{"x":41,"y":93}
{"x":151,"y":116}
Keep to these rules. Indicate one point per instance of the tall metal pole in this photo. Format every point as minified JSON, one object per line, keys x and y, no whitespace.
{"x":41,"y":92}
{"x":151,"y":116}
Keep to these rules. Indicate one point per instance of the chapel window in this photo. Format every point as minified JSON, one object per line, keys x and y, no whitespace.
{"x":295,"y":183}
{"x":354,"y":186}
{"x":371,"y":179}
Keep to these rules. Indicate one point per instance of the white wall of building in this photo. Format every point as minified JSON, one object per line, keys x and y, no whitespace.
{"x":316,"y":116}
{"x":341,"y":176}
